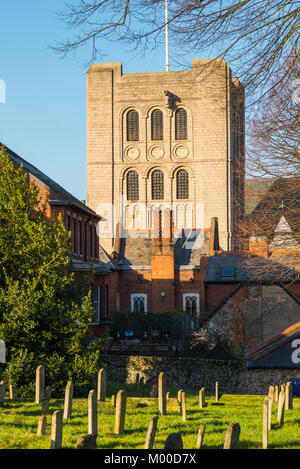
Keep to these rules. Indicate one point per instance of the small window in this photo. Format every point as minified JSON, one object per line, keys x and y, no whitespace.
{"x":95,"y":243}
{"x":80,"y":237}
{"x":139,"y":303}
{"x":91,"y":240}
{"x":182,"y":184}
{"x":96,"y":295}
{"x":157,"y":185}
{"x":132,"y":185}
{"x":132,"y":121}
{"x":74,"y":233}
{"x":157,"y":131}
{"x":191,"y":303}
{"x":181,"y":124}
{"x":228,"y":272}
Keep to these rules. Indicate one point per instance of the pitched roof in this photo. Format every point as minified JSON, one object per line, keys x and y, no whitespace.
{"x":59,"y":194}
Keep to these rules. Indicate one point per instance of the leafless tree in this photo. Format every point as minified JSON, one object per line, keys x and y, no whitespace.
{"x":253,"y":35}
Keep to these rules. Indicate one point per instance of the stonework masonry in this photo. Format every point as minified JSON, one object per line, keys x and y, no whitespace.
{"x":212,"y":153}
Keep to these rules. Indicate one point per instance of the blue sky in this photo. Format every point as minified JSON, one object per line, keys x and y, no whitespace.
{"x":44,"y":117}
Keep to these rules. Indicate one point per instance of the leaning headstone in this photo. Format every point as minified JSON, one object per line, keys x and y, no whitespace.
{"x":265,"y":424}
{"x":92,"y":413}
{"x":179,"y":396}
{"x":174,"y":441}
{"x":120,"y":412}
{"x":40,"y":384}
{"x":168,"y":395}
{"x":183,"y":406}
{"x":101,"y":385}
{"x":151,"y":432}
{"x":41,"y":429}
{"x":45,"y":407}
{"x":2,"y":392}
{"x":200,"y":437}
{"x":162,"y":405}
{"x":13,"y":391}
{"x":232,"y":436}
{"x":217,"y":391}
{"x":289,"y":396}
{"x":113,"y":400}
{"x":56,"y":430}
{"x":87,"y":442}
{"x":280,"y":409}
{"x":68,"y":400}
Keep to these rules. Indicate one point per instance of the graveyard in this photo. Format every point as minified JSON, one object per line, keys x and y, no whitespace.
{"x":139,"y":415}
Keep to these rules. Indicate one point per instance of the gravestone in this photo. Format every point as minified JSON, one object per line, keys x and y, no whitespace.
{"x":200,"y":437}
{"x":45,"y":407}
{"x":87,"y":442}
{"x":179,"y":396}
{"x":151,"y":432}
{"x":13,"y":394}
{"x":276,"y":393}
{"x":183,"y":406}
{"x":201,"y":399}
{"x":41,"y":429}
{"x":113,"y":400}
{"x":40,"y":384}
{"x":56,"y":430}
{"x":270,"y":405}
{"x":174,"y":441}
{"x":289,"y":396}
{"x":92,"y":413}
{"x":162,"y":404}
{"x":142,"y":381}
{"x":47,"y":393}
{"x":120,"y":412}
{"x":217,"y":391}
{"x":280,"y":409}
{"x":2,"y":392}
{"x":168,"y":395}
{"x":265,"y":424}
{"x":232,"y":436}
{"x":101,"y":385}
{"x":68,"y":400}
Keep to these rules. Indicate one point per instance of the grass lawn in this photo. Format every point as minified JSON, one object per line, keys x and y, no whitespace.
{"x":19,"y":420}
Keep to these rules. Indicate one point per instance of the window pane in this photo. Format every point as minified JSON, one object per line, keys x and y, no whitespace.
{"x":157,"y":185}
{"x":132,"y":186}
{"x":182,"y":184}
{"x":157,"y":125}
{"x":132,"y":126}
{"x":181,"y":124}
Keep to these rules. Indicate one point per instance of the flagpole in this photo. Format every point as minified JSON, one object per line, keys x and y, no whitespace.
{"x":167,"y":35}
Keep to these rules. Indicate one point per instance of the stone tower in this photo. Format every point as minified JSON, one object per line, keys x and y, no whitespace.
{"x":165,"y":140}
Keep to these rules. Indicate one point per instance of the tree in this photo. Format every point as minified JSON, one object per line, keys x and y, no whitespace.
{"x":253,"y":35}
{"x":44,"y":308}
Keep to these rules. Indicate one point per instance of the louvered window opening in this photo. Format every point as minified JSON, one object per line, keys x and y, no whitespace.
{"x":157,"y":130}
{"x":132,"y":126}
{"x":182,"y":184}
{"x":157,"y":185}
{"x":181,"y":124}
{"x":132,"y":185}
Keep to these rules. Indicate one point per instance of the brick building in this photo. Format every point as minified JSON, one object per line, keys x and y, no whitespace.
{"x":165,"y":169}
{"x":86,"y":254}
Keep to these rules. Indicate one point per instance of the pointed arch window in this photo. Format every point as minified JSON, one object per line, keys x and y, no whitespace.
{"x":132,"y":185}
{"x":157,"y":185}
{"x":157,"y":130}
{"x":182,"y":184}
{"x":132,"y":125}
{"x":181,"y":124}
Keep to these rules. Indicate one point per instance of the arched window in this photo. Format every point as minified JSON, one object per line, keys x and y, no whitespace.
{"x":182,"y":184}
{"x":157,"y":130}
{"x":181,"y":124}
{"x":132,"y":185}
{"x":132,"y":123}
{"x":157,"y":185}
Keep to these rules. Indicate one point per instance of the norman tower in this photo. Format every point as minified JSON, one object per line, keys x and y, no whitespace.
{"x":166,"y":139}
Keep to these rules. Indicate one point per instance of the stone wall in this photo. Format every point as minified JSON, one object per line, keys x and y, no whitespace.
{"x":233,"y":377}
